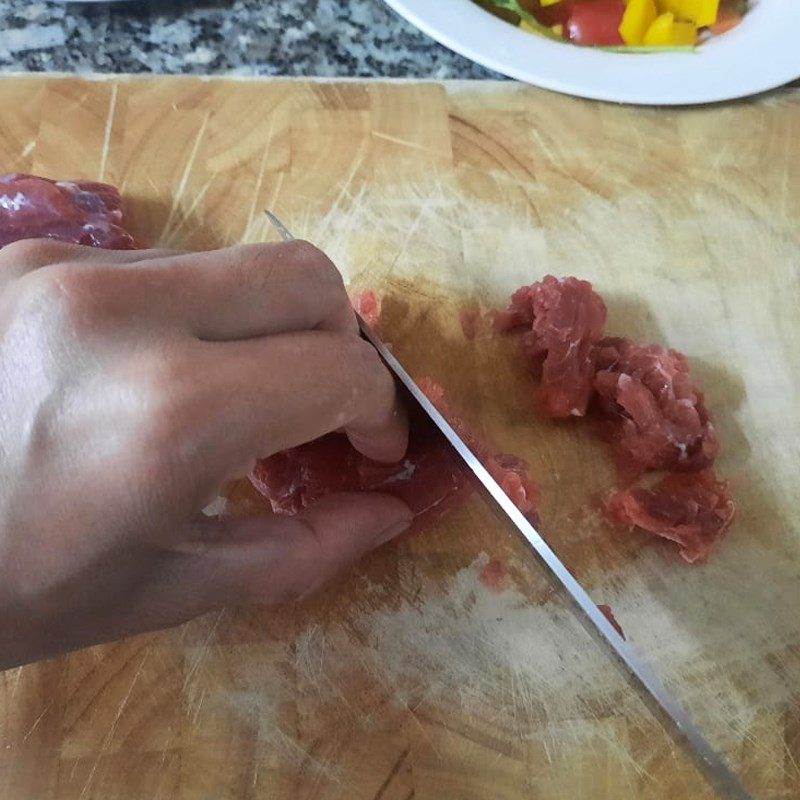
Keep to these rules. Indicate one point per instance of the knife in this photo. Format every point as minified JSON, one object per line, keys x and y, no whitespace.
{"x":710,"y":760}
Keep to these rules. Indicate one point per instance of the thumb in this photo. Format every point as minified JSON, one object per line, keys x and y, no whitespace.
{"x":272,"y":558}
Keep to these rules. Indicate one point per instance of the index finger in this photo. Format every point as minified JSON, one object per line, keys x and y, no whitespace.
{"x":236,"y":402}
{"x":286,"y":390}
{"x":243,"y":292}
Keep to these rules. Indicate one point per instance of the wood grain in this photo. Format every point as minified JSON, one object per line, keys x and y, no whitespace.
{"x":409,"y":678}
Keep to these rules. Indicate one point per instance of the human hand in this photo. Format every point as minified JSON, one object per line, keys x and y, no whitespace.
{"x":133,"y":385}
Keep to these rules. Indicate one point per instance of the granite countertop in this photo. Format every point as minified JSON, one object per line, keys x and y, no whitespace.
{"x":353,"y":38}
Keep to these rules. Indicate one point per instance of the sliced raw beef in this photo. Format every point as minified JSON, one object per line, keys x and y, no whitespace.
{"x":430,"y":479}
{"x":566,"y":319}
{"x":692,"y":509}
{"x":80,"y":212}
{"x":510,"y":471}
{"x":645,"y":402}
{"x":658,"y":416}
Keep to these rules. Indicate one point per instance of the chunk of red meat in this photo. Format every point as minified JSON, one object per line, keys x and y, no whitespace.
{"x":430,"y":479}
{"x":81,"y":212}
{"x":658,"y":416}
{"x":566,"y":319}
{"x":292,"y":479}
{"x":511,"y":473}
{"x":692,"y":509}
{"x":435,"y":393}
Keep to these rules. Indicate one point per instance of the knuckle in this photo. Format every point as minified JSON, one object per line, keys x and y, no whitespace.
{"x":33,"y":253}
{"x":317,"y":266}
{"x":39,"y":289}
{"x":160,"y":382}
{"x":162,"y":418}
{"x":65,"y":292}
{"x":292,"y":268}
{"x":297,"y":263}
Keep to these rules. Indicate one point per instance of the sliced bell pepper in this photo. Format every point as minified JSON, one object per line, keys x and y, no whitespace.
{"x":638,"y":17}
{"x":545,"y":3}
{"x":701,"y":12}
{"x":595,"y":22}
{"x":666,"y":31}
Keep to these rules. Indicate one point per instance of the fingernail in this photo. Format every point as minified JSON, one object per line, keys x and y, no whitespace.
{"x":394,"y":530}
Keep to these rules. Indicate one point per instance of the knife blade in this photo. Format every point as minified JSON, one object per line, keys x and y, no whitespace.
{"x":713,"y":764}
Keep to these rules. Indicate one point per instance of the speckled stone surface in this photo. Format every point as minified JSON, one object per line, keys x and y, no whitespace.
{"x":353,"y":38}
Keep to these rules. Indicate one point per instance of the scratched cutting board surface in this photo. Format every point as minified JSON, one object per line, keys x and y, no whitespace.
{"x":413,"y":677}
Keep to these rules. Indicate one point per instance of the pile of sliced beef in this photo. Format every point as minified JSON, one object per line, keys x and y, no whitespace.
{"x":646,"y":402}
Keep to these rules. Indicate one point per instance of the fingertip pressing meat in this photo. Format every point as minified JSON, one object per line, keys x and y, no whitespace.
{"x":429,"y":479}
{"x":693,"y":509}
{"x":80,"y":212}
{"x":566,"y":318}
{"x":659,"y":416}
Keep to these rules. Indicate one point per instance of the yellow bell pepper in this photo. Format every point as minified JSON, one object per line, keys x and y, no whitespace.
{"x":545,"y":3}
{"x":701,"y":12}
{"x":528,"y":28}
{"x":666,"y":31}
{"x":638,"y":17}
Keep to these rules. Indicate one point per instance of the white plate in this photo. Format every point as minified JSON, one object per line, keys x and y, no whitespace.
{"x":761,"y":53}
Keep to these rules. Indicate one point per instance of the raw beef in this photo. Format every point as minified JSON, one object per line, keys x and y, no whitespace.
{"x":566,"y":319}
{"x":430,"y":479}
{"x":510,"y":471}
{"x":658,"y":416}
{"x":692,"y":509}
{"x":80,"y":212}
{"x":644,"y":400}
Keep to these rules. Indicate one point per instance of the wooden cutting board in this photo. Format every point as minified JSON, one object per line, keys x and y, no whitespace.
{"x":414,"y":677}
